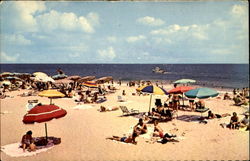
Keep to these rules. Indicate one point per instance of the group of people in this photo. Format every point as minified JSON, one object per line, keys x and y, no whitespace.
{"x":141,"y":128}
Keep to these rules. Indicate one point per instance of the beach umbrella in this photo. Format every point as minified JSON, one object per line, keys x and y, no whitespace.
{"x":6,"y":74}
{"x":40,"y":74}
{"x":59,"y":76}
{"x":6,"y":82}
{"x":152,"y":89}
{"x":184,"y":81}
{"x":181,"y":90}
{"x":43,"y":113}
{"x":87,"y":78}
{"x":90,"y":84}
{"x":44,"y":78}
{"x":12,"y":78}
{"x":51,"y":94}
{"x":63,"y":81}
{"x":74,"y":77}
{"x":201,"y":93}
{"x":104,"y":79}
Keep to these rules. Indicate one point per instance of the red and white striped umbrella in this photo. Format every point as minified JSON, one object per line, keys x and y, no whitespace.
{"x":43,"y":113}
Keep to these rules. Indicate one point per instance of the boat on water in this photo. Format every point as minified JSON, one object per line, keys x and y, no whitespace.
{"x":159,"y":70}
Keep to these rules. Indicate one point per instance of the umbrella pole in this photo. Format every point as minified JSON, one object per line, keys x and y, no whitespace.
{"x":46,"y":133}
{"x":150,"y":102}
{"x":182,"y":99}
{"x":51,"y":101}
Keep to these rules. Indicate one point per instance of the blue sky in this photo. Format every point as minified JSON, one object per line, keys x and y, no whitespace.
{"x":124,"y":32}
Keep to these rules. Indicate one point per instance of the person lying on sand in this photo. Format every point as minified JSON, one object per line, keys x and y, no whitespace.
{"x":140,"y":127}
{"x":211,"y":115}
{"x":105,"y":109}
{"x":129,"y":139}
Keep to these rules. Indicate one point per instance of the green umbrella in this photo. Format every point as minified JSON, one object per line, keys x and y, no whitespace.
{"x":201,"y":93}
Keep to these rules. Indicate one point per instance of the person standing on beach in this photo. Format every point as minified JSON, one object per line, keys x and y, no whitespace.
{"x":59,"y":71}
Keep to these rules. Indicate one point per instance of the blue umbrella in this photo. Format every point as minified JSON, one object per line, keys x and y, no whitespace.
{"x":201,"y":93}
{"x":153,"y":90}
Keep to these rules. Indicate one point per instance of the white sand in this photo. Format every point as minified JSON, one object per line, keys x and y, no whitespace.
{"x":83,"y":132}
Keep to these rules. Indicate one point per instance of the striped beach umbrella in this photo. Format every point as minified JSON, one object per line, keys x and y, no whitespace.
{"x":43,"y":113}
{"x":90,"y":84}
{"x":152,"y":89}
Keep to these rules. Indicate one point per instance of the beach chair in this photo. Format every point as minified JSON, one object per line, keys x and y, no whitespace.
{"x":201,"y":110}
{"x":126,"y":112}
{"x":120,"y":99}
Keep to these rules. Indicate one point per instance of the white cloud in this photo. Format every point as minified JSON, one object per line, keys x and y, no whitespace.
{"x":132,"y":39}
{"x":22,"y":13}
{"x":68,"y":21}
{"x":239,"y":10}
{"x":5,"y":57}
{"x":176,"y":32}
{"x":151,"y":21}
{"x":107,"y":53}
{"x":17,"y":39}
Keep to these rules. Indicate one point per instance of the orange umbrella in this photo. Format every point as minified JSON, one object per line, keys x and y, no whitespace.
{"x":181,"y":89}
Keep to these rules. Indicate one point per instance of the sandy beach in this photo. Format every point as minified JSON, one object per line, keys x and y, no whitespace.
{"x":84,"y":131}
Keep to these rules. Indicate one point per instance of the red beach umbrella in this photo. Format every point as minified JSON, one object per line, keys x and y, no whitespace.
{"x":43,"y":113}
{"x":181,"y":89}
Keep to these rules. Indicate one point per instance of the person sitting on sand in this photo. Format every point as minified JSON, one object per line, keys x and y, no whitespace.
{"x":155,"y":113}
{"x":226,"y":96}
{"x":140,"y":127}
{"x":238,"y":100}
{"x":28,"y":142}
{"x":158,"y":132}
{"x":211,"y":115}
{"x":105,"y":109}
{"x":129,"y":139}
{"x":245,"y":121}
{"x":234,"y":122}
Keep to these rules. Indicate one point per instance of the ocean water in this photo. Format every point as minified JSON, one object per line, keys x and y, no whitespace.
{"x":210,"y":75}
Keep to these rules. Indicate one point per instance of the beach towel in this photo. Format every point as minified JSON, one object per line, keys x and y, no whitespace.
{"x":83,"y":106}
{"x":14,"y":150}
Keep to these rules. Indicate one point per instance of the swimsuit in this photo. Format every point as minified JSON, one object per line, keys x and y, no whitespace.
{"x":123,"y":139}
{"x":161,"y":134}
